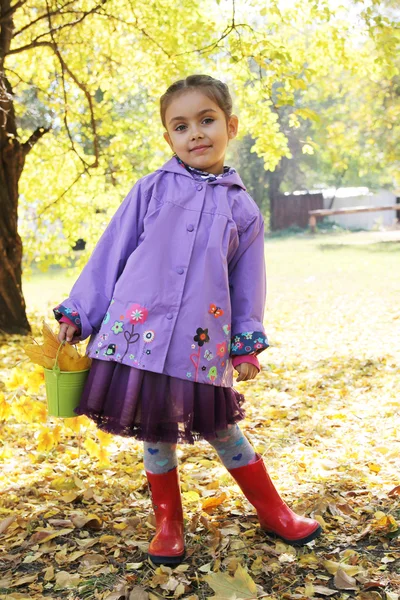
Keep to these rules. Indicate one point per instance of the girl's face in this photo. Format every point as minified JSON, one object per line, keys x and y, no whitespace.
{"x":198,"y":131}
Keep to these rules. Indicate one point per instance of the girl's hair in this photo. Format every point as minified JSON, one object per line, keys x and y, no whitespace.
{"x":215,"y":89}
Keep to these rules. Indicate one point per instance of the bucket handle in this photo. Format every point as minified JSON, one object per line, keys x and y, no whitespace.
{"x":56,"y":368}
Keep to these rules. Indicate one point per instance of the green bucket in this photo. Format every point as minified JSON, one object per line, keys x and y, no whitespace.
{"x":63,"y":389}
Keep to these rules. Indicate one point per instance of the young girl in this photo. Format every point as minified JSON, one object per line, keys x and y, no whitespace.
{"x":173,"y":297}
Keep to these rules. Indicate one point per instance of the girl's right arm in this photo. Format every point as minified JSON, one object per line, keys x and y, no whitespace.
{"x":93,"y":291}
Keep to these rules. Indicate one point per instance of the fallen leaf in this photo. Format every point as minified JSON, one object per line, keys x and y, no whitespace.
{"x":24,"y":580}
{"x":138,"y":593}
{"x":44,"y":536}
{"x":5,"y":523}
{"x":66,"y":580}
{"x":241,"y":586}
{"x":210,"y":503}
{"x":342,"y":581}
{"x":324,"y":591}
{"x":90,"y":521}
{"x":49,"y":573}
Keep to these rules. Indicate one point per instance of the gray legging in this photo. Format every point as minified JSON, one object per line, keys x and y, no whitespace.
{"x":232,"y":447}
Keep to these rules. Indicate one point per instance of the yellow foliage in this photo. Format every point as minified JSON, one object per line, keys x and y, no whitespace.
{"x":46,"y":355}
{"x":104,"y":438}
{"x":46,"y":440}
{"x":92,"y":448}
{"x":5,"y":408}
{"x":16,"y":381}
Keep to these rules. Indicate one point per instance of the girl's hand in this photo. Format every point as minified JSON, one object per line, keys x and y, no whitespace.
{"x":246,"y":371}
{"x":66,"y":332}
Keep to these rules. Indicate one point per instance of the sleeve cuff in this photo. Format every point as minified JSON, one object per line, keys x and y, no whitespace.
{"x":248,"y":342}
{"x":249,"y":358}
{"x":67,"y":315}
{"x":68,"y":321}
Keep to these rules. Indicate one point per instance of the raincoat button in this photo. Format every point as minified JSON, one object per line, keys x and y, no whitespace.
{"x":169,"y":316}
{"x":190,"y":227}
{"x":199,"y":188}
{"x":180,"y":271}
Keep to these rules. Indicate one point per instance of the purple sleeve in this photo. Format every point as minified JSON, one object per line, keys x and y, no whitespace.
{"x":92,"y":292}
{"x":247,"y":284}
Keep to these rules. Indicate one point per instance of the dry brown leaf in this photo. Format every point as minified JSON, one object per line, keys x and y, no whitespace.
{"x":342,"y":581}
{"x":24,"y":580}
{"x":5,"y":523}
{"x":66,"y":580}
{"x":138,"y":593}
{"x":90,"y":521}
{"x":90,"y":560}
{"x":40,"y":537}
{"x":324,"y":591}
{"x":49,"y":573}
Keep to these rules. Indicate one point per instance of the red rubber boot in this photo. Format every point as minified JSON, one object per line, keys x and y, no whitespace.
{"x":167,"y":546}
{"x":274,"y":515}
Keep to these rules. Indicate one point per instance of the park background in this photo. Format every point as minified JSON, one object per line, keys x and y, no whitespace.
{"x":316,"y":86}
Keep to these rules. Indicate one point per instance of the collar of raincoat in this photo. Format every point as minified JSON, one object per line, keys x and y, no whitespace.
{"x":172,"y":166}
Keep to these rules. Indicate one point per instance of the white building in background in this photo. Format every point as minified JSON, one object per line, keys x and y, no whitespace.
{"x":349,"y":197}
{"x":353,"y":197}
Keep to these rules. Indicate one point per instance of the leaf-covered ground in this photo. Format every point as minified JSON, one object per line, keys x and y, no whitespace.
{"x":75,"y":516}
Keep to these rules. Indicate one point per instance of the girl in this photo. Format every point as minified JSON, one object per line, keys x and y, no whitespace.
{"x":173,"y":297}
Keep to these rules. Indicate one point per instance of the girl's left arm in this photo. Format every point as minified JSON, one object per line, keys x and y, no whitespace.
{"x":92,"y":292}
{"x":247,"y":283}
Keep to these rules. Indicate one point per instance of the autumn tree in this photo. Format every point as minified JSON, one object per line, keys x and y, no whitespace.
{"x":80,"y":81}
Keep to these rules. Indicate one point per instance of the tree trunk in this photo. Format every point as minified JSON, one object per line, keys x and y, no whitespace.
{"x":12,"y":157}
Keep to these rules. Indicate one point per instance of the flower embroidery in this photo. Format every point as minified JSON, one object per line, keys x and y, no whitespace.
{"x":137,"y":314}
{"x":221,"y":349}
{"x":148,"y":336}
{"x":248,"y":348}
{"x":188,"y":374}
{"x":248,"y":335}
{"x":237,"y":338}
{"x":208,"y":355}
{"x":131,"y":356}
{"x":202,"y":336}
{"x":118,"y":327}
{"x":258,"y":346}
{"x":148,"y":351}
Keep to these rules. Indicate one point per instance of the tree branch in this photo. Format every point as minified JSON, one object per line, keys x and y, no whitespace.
{"x":60,"y":27}
{"x":35,"y":137}
{"x":7,"y":15}
{"x":29,"y":47}
{"x":37,"y":217}
{"x":59,"y":11}
{"x":65,"y":68}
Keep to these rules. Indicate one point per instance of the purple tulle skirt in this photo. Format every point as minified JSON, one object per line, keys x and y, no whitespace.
{"x":155,"y":407}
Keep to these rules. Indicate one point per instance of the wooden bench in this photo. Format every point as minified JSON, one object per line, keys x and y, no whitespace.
{"x":327,"y":212}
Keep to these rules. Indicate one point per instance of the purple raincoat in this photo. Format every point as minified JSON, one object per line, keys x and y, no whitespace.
{"x":176,"y":284}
